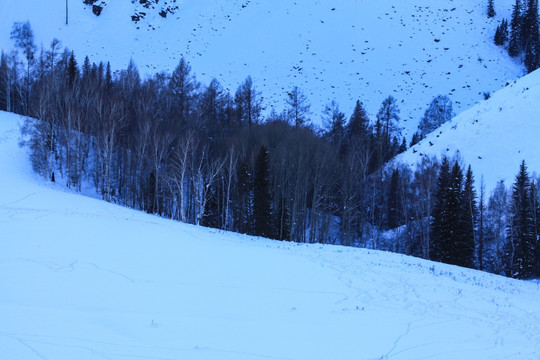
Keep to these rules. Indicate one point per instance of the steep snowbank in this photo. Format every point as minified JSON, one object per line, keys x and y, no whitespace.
{"x":493,"y":137}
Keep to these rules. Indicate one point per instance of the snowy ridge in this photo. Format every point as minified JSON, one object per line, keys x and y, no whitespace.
{"x":493,"y":137}
{"x":367,"y":50}
{"x":85,"y":279}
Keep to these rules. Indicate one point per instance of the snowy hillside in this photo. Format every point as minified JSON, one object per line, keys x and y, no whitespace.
{"x":343,"y":51}
{"x":85,"y":279}
{"x":493,"y":137}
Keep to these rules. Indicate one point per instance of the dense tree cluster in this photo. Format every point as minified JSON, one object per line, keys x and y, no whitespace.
{"x":174,"y":147}
{"x":521,"y":37}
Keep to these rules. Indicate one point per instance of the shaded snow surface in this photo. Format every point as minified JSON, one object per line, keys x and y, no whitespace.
{"x":85,"y":279}
{"x":346,"y":50}
{"x":494,"y":136}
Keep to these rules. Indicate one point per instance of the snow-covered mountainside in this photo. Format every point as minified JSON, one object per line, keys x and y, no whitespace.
{"x":343,"y":51}
{"x":493,"y":137}
{"x":84,"y":279}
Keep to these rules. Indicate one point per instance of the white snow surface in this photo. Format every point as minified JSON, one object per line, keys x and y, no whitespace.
{"x":332,"y":50}
{"x":494,"y":136}
{"x":84,"y":279}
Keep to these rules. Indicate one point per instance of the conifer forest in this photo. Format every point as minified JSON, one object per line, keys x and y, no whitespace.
{"x":177,"y":148}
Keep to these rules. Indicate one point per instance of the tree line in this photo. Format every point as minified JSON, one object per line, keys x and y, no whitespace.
{"x":520,"y":36}
{"x":174,"y":147}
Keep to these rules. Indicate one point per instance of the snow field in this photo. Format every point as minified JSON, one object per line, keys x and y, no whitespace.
{"x":86,"y":279}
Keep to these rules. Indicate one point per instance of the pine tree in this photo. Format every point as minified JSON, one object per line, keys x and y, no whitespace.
{"x":73,"y":70}
{"x":452,"y":245}
{"x":211,"y":216}
{"x":439,"y":229}
{"x":358,"y":128}
{"x":490,"y":9}
{"x":535,"y":207}
{"x":521,"y":242}
{"x":261,"y":195}
{"x":514,"y":44}
{"x":466,"y":246}
{"x":243,"y":201}
{"x":393,"y":203}
{"x":415,"y":138}
{"x":531,"y":35}
{"x":501,"y":34}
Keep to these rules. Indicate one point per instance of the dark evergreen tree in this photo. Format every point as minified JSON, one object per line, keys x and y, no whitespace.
{"x":358,"y":128}
{"x":394,"y":201}
{"x":501,"y":34}
{"x":439,"y":221}
{"x":415,"y":138}
{"x":261,"y":195}
{"x":211,"y":216}
{"x":521,"y":243}
{"x":490,"y":9}
{"x":531,"y":36}
{"x":467,"y":243}
{"x":243,"y":200}
{"x":73,"y":70}
{"x":514,"y":42}
{"x":535,"y":206}
{"x":452,"y":245}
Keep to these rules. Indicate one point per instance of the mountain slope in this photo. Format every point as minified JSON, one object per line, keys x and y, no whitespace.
{"x":85,"y":279}
{"x":493,"y":137}
{"x":413,"y":50}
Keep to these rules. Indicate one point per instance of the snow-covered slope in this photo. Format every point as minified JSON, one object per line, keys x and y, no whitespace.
{"x":84,"y":279}
{"x":343,"y":51}
{"x":493,"y":137}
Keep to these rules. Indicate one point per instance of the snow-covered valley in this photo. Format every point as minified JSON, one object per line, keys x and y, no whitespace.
{"x":85,"y":279}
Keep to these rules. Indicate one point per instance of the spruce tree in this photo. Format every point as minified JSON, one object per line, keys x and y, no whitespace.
{"x":521,"y":243}
{"x":501,"y":34}
{"x":514,"y":44}
{"x":243,"y":200}
{"x":439,"y":229}
{"x":531,"y":36}
{"x":73,"y":70}
{"x":490,"y":9}
{"x":451,"y":245}
{"x":467,"y":244}
{"x":261,"y":195}
{"x":358,"y":128}
{"x":211,"y":216}
{"x":393,"y":203}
